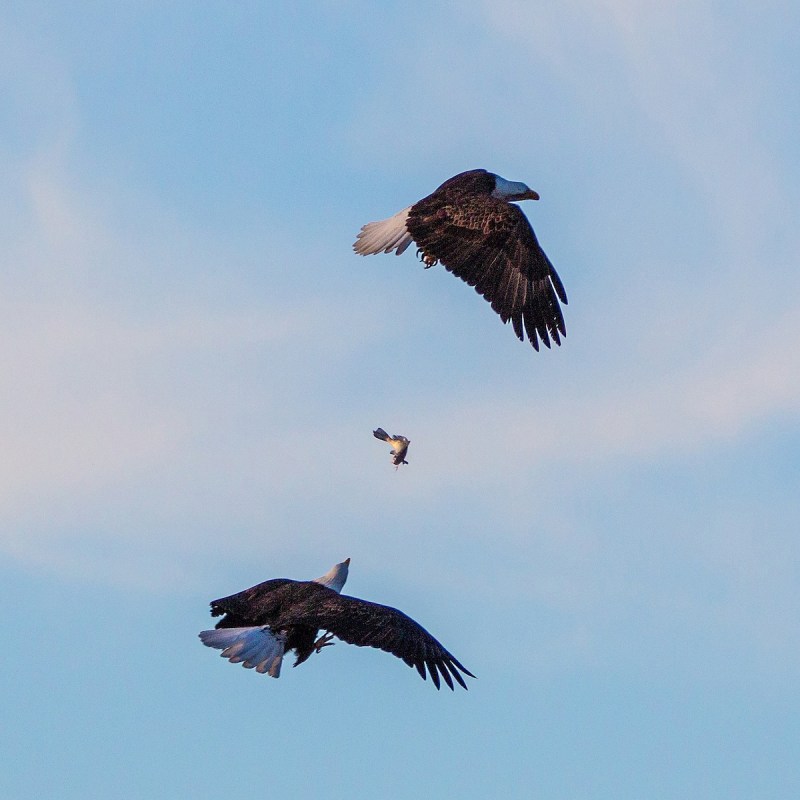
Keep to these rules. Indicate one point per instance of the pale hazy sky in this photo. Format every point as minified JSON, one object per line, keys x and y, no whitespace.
{"x":606,"y":534}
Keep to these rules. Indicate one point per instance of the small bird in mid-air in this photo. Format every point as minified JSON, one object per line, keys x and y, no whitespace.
{"x":399,"y":446}
{"x":471,"y":225}
{"x":264,"y":622}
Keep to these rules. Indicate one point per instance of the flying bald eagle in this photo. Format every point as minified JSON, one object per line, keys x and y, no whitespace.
{"x":262,"y":623}
{"x":471,"y":225}
{"x":399,"y":446}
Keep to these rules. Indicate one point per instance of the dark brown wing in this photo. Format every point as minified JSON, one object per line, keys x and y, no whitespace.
{"x":366,"y":624}
{"x":490,"y":245}
{"x":254,"y":606}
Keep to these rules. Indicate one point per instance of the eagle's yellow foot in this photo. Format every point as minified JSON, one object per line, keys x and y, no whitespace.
{"x":429,"y":261}
{"x":323,"y":641}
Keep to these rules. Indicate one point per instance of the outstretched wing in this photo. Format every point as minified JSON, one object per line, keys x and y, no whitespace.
{"x":366,"y":624}
{"x":490,"y":245}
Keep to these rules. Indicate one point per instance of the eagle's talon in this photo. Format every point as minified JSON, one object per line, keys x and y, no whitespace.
{"x":323,"y":641}
{"x":428,"y":261}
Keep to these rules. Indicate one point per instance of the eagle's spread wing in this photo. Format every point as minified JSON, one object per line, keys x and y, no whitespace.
{"x":490,"y":245}
{"x":366,"y":624}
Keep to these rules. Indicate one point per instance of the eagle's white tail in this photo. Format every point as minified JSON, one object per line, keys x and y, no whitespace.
{"x":384,"y":236}
{"x":255,"y":647}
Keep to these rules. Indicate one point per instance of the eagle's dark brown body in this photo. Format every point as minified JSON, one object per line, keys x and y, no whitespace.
{"x":261,"y":605}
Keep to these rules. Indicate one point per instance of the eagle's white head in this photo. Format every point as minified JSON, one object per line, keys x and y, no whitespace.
{"x":512,"y":190}
{"x":335,"y":577}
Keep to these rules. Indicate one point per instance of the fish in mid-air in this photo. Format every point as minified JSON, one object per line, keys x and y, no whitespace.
{"x":399,"y":446}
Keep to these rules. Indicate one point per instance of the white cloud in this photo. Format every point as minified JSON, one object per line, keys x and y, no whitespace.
{"x":120,"y":402}
{"x":639,"y":413}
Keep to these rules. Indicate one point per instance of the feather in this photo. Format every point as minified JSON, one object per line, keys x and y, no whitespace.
{"x":252,"y":647}
{"x":384,"y":236}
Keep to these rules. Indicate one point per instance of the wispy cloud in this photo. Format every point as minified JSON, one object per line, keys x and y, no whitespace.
{"x":645,"y":416}
{"x":147,"y":416}
{"x":115,"y":398}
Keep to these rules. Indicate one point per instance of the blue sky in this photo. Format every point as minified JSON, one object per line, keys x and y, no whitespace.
{"x":606,"y":534}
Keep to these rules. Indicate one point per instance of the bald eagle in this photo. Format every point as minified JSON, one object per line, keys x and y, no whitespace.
{"x":265,"y":621}
{"x":399,"y":446}
{"x":471,"y":225}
